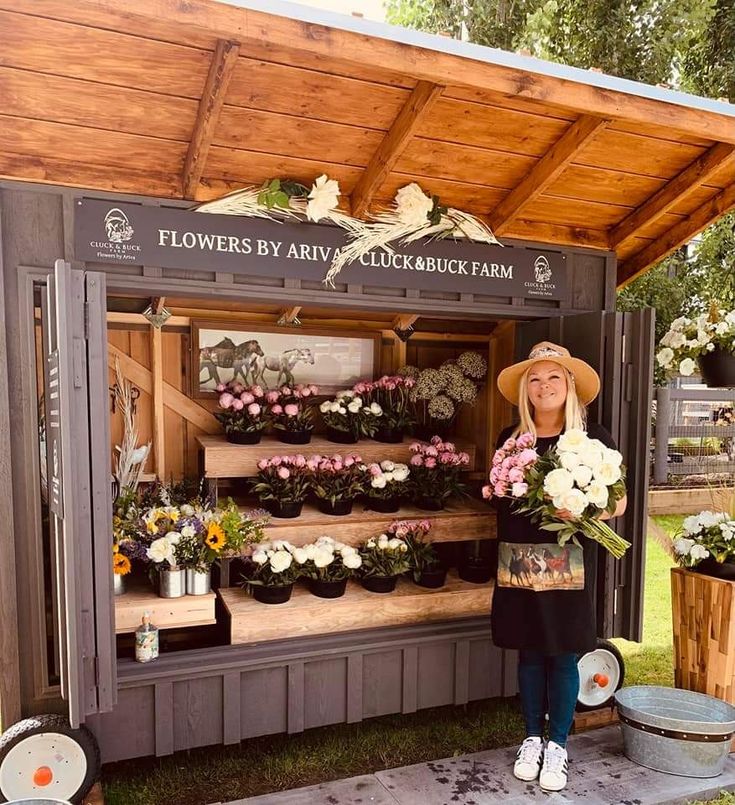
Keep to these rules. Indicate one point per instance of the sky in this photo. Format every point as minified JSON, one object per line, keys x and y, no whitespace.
{"x":370,"y":9}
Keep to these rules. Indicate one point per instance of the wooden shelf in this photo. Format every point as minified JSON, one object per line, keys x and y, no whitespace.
{"x":461,"y":520}
{"x":305,"y":614}
{"x":225,"y":460}
{"x":166,"y":613}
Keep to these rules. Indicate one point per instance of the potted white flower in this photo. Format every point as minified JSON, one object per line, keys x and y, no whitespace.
{"x":384,"y":559}
{"x":706,"y":544}
{"x":388,"y":484}
{"x":348,"y":417}
{"x":327,"y":564}
{"x":707,"y":341}
{"x":271,"y":571}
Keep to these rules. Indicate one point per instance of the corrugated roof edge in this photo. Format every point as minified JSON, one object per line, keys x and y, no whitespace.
{"x":503,"y":58}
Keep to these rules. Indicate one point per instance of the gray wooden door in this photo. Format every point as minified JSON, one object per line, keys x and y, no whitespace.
{"x":620,"y":347}
{"x":79,"y":493}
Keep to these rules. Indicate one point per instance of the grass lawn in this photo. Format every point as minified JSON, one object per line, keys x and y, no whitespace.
{"x":262,"y":765}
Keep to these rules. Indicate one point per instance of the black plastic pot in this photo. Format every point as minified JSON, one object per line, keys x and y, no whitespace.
{"x":718,"y":368}
{"x":711,"y":567}
{"x":277,"y":594}
{"x":244,"y":437}
{"x":433,"y":577}
{"x":476,"y":572}
{"x":389,"y":435}
{"x":385,"y":505}
{"x":338,"y":509}
{"x":380,"y":584}
{"x":340,"y":436}
{"x":293,"y":436}
{"x":429,"y":504}
{"x":327,"y":589}
{"x":284,"y":509}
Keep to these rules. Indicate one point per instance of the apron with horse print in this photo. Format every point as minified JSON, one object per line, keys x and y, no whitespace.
{"x":544,"y":596}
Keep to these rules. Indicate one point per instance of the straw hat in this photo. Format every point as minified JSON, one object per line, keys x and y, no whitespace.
{"x":586,"y":379}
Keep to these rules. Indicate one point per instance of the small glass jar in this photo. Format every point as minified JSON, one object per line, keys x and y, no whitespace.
{"x":146,"y":640}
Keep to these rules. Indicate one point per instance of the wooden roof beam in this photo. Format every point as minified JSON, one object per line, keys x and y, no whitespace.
{"x":289,"y":316}
{"x":405,"y":320}
{"x":677,"y":236}
{"x":221,"y":68}
{"x":420,"y":101}
{"x":682,"y":185}
{"x":546,"y":171}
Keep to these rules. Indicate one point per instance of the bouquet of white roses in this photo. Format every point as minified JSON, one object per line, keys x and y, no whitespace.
{"x":703,"y":535}
{"x":349,"y":413}
{"x":328,"y":560}
{"x":274,"y":564}
{"x":580,"y":475}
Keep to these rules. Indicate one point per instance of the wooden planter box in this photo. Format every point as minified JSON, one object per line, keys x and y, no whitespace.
{"x":704,"y":633}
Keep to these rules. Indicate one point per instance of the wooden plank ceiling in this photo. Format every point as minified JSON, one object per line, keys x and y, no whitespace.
{"x":193,"y":99}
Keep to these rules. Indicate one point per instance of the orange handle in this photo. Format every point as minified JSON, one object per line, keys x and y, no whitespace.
{"x":603,"y":680}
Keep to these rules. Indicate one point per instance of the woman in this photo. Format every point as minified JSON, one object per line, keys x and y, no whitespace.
{"x":544,"y":603}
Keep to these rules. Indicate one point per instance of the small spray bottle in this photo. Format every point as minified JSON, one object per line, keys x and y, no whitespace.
{"x":146,"y":640}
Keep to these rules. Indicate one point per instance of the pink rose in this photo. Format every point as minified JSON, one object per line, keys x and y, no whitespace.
{"x":431,"y":451}
{"x":306,"y":391}
{"x":525,"y":440}
{"x":225,"y":401}
{"x":276,"y":409}
{"x":247,"y":397}
{"x":271,"y":397}
{"x":509,"y":444}
{"x":254,"y":409}
{"x":291,"y":409}
{"x":519,"y":490}
{"x":286,"y":390}
{"x":349,"y":461}
{"x":237,"y":388}
{"x":257,"y":390}
{"x":375,"y":470}
{"x":283,"y":473}
{"x":487,"y":492}
{"x":299,"y":461}
{"x":527,"y":456}
{"x":435,"y":440}
{"x":417,"y":460}
{"x":431,"y":463}
{"x":464,"y":458}
{"x":263,"y":464}
{"x":500,"y":489}
{"x":449,"y":446}
{"x":494,"y":475}
{"x":313,"y":389}
{"x":446,"y":458}
{"x":312,"y":465}
{"x":275,"y":461}
{"x":337,"y":466}
{"x":497,"y":458}
{"x":221,"y":387}
{"x":515,"y":475}
{"x":238,"y":405}
{"x":390,"y":386}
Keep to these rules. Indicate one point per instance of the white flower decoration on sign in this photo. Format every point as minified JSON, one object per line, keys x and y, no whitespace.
{"x":323,"y":198}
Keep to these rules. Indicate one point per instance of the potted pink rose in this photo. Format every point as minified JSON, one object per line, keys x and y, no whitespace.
{"x":435,"y":469}
{"x":291,"y":412}
{"x":242,"y":414}
{"x":391,"y":394}
{"x":282,"y":484}
{"x":337,"y":481}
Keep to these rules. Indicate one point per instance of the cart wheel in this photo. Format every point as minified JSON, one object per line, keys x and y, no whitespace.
{"x":601,"y":673}
{"x":44,"y":757}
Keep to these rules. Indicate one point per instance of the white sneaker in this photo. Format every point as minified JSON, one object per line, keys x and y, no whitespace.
{"x":553,"y":776}
{"x":528,"y":759}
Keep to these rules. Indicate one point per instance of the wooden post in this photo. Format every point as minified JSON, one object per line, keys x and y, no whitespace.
{"x":663,"y":423}
{"x":157,"y":398}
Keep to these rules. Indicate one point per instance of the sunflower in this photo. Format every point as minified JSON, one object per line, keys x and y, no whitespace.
{"x":121,"y":564}
{"x":215,"y":537}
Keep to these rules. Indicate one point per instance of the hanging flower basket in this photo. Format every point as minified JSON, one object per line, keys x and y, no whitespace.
{"x":718,"y":368}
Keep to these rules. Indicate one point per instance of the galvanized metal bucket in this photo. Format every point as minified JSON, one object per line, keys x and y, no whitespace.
{"x":172,"y":583}
{"x":675,"y":731}
{"x":198,"y":583}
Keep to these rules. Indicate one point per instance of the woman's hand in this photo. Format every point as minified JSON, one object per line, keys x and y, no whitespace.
{"x":619,"y":509}
{"x":565,"y":514}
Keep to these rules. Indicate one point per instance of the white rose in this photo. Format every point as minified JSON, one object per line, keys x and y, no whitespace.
{"x":677,"y":340}
{"x":378,"y":482}
{"x":591,"y":457}
{"x":582,"y":475}
{"x":358,"y":400}
{"x":610,"y":456}
{"x":325,"y":406}
{"x":188,"y":531}
{"x":558,"y":482}
{"x":383,"y":541}
{"x":401,"y":472}
{"x":572,"y":440}
{"x":413,"y":205}
{"x":323,"y":198}
{"x":698,"y":552}
{"x":341,"y":410}
{"x":703,"y":337}
{"x":187,"y":511}
{"x":375,"y":409}
{"x":665,"y":356}
{"x":260,"y":557}
{"x":389,"y":466}
{"x":323,"y":558}
{"x":173,"y":537}
{"x":352,"y":560}
{"x":300,"y":555}
{"x":389,"y":477}
{"x":678,"y":323}
{"x":161,"y":550}
{"x":682,"y":545}
{"x":707,"y":519}
{"x":345,"y":394}
{"x":687,"y":367}
{"x":691,"y":524}
{"x":354,"y":407}
{"x":334,"y":407}
{"x":598,"y":494}
{"x":721,"y":327}
{"x":371,"y":543}
{"x":574,"y":501}
{"x":310,"y":551}
{"x":280,"y":561}
{"x":394,"y":543}
{"x":569,"y":460}
{"x":607,"y":474}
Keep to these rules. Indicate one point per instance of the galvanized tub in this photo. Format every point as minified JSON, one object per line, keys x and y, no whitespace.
{"x":675,"y":731}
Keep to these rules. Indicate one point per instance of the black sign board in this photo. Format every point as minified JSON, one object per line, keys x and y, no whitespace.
{"x":131,"y":234}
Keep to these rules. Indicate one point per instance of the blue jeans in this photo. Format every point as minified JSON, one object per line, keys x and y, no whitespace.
{"x":548,"y":683}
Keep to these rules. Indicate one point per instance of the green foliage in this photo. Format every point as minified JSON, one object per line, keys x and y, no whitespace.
{"x":709,"y":65}
{"x":276,"y":193}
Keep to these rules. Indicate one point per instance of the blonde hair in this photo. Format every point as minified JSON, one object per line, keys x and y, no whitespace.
{"x":575,"y":413}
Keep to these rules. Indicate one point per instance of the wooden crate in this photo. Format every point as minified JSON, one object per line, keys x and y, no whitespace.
{"x":166,"y":613}
{"x":461,"y":520}
{"x":305,"y":614}
{"x":221,"y":459}
{"x":704,"y":633}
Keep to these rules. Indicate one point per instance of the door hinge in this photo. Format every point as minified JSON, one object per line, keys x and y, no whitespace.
{"x":623,"y":353}
{"x":96,"y":667}
{"x":615,"y":601}
{"x":86,"y":320}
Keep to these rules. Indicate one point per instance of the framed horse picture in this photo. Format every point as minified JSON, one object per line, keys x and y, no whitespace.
{"x":272,"y":356}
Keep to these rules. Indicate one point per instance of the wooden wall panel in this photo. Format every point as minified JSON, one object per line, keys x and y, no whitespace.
{"x":485,"y":670}
{"x":325,"y":692}
{"x":436,"y":675}
{"x":381,"y":683}
{"x":134,"y":716}
{"x":264,"y":702}
{"x":197,"y":712}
